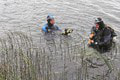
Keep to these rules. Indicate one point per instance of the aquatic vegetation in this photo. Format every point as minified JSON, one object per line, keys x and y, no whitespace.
{"x":55,"y":59}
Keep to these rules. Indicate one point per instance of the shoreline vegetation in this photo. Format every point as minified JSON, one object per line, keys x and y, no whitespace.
{"x":22,"y":59}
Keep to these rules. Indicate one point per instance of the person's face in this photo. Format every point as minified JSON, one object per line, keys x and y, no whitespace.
{"x":52,"y":21}
{"x":97,"y":26}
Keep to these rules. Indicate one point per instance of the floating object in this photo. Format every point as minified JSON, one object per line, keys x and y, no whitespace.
{"x":67,"y":31}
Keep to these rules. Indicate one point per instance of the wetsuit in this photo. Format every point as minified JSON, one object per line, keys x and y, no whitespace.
{"x":102,"y":39}
{"x":49,"y":28}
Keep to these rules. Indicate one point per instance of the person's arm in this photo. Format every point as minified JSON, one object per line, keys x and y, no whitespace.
{"x":44,"y":28}
{"x":106,"y":38}
{"x":57,"y":28}
{"x":91,"y":37}
{"x":92,"y":34}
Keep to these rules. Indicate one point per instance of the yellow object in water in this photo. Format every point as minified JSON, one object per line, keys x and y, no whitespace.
{"x":91,"y":35}
{"x":90,"y":39}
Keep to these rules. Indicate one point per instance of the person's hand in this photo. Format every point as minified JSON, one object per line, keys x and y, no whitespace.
{"x":90,"y":41}
{"x":49,"y":30}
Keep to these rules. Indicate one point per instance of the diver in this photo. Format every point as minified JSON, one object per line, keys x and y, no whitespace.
{"x":51,"y":27}
{"x":101,"y":37}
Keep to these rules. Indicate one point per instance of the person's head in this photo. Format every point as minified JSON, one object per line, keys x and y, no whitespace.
{"x":99,"y":23}
{"x":50,"y":20}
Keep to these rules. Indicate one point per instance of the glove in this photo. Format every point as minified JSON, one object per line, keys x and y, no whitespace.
{"x":96,"y":43}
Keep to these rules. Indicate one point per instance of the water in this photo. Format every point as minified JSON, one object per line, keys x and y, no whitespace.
{"x":28,"y":16}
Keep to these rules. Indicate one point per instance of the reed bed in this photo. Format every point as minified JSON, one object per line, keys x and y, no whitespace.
{"x":21,"y":58}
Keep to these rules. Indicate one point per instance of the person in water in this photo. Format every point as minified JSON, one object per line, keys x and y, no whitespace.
{"x":50,"y":26}
{"x":101,"y":37}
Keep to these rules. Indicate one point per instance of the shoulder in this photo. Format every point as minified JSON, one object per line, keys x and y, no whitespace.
{"x":110,"y":28}
{"x":107,"y":30}
{"x":56,"y":27}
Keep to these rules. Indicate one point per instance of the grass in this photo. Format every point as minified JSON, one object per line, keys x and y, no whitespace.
{"x":58,"y":59}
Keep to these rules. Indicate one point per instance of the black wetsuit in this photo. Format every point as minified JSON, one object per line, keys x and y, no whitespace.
{"x":102,"y":39}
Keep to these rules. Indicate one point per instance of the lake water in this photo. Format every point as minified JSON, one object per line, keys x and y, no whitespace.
{"x":28,"y":16}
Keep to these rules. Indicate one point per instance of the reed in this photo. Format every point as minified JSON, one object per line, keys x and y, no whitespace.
{"x":21,"y":58}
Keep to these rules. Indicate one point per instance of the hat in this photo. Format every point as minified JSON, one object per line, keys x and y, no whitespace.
{"x":98,"y":20}
{"x":49,"y":17}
